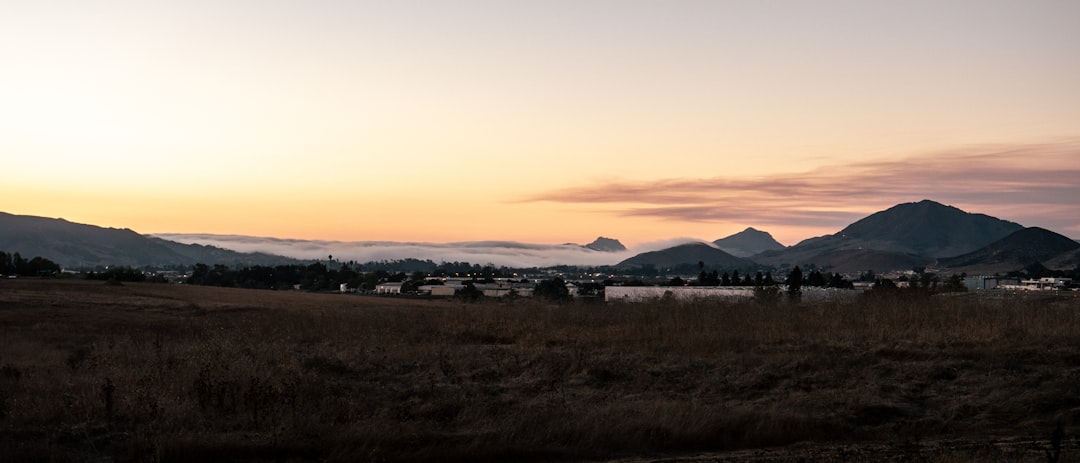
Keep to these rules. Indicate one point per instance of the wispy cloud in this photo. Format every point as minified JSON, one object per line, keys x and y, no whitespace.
{"x":1030,"y":184}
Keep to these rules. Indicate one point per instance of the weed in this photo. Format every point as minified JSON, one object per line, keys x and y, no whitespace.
{"x":1053,"y":454}
{"x":311,"y":377}
{"x":108,"y":399}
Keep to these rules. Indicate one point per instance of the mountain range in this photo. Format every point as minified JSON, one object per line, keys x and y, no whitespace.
{"x":74,"y":245}
{"x":1017,"y":250}
{"x":901,"y":237}
{"x":905,"y":236}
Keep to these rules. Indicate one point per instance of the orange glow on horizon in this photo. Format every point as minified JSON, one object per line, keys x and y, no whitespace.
{"x":535,"y":122}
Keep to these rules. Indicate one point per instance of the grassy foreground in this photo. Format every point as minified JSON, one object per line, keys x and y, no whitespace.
{"x":154,"y":372}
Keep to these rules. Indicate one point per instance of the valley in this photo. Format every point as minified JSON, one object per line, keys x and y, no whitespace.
{"x":91,"y":371}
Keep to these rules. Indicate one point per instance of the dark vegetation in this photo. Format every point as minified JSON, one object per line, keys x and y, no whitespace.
{"x":320,"y":276}
{"x":15,"y":264}
{"x":176,"y":373}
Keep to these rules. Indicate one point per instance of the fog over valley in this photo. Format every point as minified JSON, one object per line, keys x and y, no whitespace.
{"x":500,"y":253}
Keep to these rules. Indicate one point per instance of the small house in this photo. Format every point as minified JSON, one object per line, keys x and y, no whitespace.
{"x":388,"y":288}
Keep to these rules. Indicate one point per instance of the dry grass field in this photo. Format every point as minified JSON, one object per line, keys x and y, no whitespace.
{"x":174,"y":373}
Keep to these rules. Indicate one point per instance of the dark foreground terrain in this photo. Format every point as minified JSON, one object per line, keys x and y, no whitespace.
{"x":155,"y":372}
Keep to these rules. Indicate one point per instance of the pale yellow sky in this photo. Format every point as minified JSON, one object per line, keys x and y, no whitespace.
{"x":450,"y":121}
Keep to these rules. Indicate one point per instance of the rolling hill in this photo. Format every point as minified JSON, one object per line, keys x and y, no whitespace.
{"x":687,"y":254}
{"x":74,"y":245}
{"x":1013,"y":252}
{"x":1067,"y":261}
{"x":897,"y":238}
{"x":748,"y":242}
{"x":904,"y":236}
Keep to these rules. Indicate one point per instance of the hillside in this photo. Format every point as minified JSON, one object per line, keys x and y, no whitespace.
{"x":687,"y":254}
{"x":78,"y":245}
{"x":925,"y":229}
{"x":1066,"y":261}
{"x":1013,"y":252}
{"x":860,"y":260}
{"x":748,"y":242}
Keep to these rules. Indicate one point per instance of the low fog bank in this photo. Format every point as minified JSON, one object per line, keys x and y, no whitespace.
{"x":498,"y":253}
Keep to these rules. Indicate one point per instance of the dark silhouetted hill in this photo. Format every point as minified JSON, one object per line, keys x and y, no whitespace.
{"x":1066,"y":261}
{"x":603,"y":244}
{"x":748,"y":242}
{"x":860,"y":260}
{"x":1014,"y":252}
{"x":896,"y":237}
{"x":74,"y":245}
{"x":687,"y":254}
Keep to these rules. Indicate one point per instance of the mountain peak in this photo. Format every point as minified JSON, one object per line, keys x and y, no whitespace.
{"x":603,"y":244}
{"x":748,"y":242}
{"x":687,"y":254}
{"x":894,"y":238}
{"x":927,"y":228}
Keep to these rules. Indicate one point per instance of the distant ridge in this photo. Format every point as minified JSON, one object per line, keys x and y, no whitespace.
{"x":78,"y":245}
{"x":1014,"y":252}
{"x":922,"y":234}
{"x":896,"y":237}
{"x":925,"y":228}
{"x":748,"y":242}
{"x":1066,"y":261}
{"x":687,"y":254}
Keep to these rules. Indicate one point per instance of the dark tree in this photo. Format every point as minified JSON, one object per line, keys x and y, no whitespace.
{"x":118,"y":274}
{"x":7,"y":267}
{"x":953,"y":284}
{"x":794,"y":283}
{"x":838,"y":281}
{"x":816,"y":279}
{"x":884,"y":284}
{"x":15,"y":264}
{"x":1034,"y":270}
{"x":470,"y":292}
{"x":552,"y":290}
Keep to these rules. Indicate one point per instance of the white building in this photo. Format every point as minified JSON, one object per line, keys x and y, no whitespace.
{"x":388,"y":288}
{"x":1041,"y":284}
{"x":685,"y":293}
{"x":441,"y":290}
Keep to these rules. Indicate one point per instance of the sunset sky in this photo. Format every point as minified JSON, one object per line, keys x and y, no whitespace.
{"x":542,"y":121}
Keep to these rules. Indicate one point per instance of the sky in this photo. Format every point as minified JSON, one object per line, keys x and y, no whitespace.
{"x":536,"y":121}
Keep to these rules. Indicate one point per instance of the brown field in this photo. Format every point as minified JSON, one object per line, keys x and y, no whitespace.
{"x":173,"y":373}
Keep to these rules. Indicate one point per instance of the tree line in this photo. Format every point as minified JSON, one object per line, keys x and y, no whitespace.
{"x":312,"y":277}
{"x":16,"y":264}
